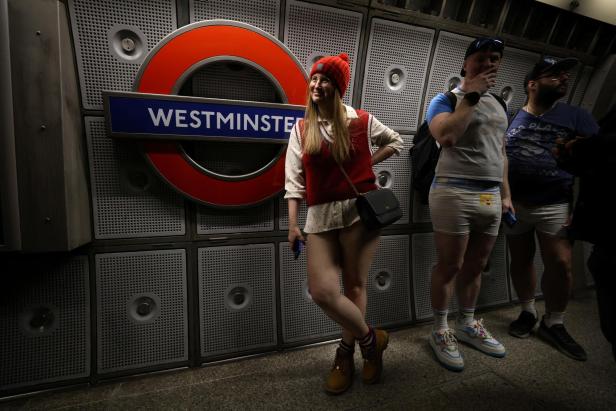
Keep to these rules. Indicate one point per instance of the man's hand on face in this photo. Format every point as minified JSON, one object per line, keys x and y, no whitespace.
{"x":481,"y":82}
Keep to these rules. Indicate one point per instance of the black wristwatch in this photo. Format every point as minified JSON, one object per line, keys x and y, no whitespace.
{"x":472,"y":98}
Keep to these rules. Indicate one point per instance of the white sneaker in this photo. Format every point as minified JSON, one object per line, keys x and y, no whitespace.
{"x":445,"y":348}
{"x":477,"y":336}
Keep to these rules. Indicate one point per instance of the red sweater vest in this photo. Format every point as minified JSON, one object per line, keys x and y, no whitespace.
{"x":324,"y":180}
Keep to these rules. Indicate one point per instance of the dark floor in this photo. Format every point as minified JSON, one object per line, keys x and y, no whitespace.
{"x":532,"y":376}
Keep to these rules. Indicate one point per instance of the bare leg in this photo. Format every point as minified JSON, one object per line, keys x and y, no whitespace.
{"x":523,"y":274}
{"x":557,"y":279}
{"x":450,"y":251}
{"x":358,"y":248}
{"x":468,"y":283}
{"x":324,"y":266}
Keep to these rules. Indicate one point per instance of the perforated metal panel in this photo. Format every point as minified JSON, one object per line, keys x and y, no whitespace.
{"x":253,"y":219}
{"x":44,"y":322}
{"x":302,"y":319}
{"x":446,"y":63}
{"x":312,"y":31}
{"x":142,"y":309}
{"x":283,"y":210}
{"x":494,"y":286}
{"x":539,"y":267}
{"x":580,"y":88}
{"x":395,"y":174}
{"x":214,"y":79}
{"x":424,"y":258}
{"x":264,"y":14}
{"x":449,"y":57}
{"x":395,"y":71}
{"x":112,"y":37}
{"x":515,"y":65}
{"x":128,"y":200}
{"x":237,"y":298}
{"x":389,"y":299}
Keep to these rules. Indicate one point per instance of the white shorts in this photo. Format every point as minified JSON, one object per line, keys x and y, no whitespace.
{"x":548,"y":219}
{"x":460,"y":210}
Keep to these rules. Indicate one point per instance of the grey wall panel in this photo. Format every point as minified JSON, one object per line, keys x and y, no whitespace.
{"x":253,"y":219}
{"x":264,"y":14}
{"x":128,"y":200}
{"x":214,"y":80}
{"x":396,"y":67}
{"x":511,"y":73}
{"x":395,"y":174}
{"x":44,"y":322}
{"x":494,"y":285}
{"x":112,"y":37}
{"x":237,"y":298}
{"x":302,"y":319}
{"x":446,"y":63}
{"x":424,"y":258}
{"x":142,"y":309}
{"x":389,"y":297}
{"x":283,"y":210}
{"x":580,"y":88}
{"x":538,"y":263}
{"x":312,"y":31}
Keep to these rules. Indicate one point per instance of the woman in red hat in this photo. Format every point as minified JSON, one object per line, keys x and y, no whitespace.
{"x":333,"y":134}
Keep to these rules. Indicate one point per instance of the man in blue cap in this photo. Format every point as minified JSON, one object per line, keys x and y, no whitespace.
{"x":467,"y":198}
{"x":542,"y":194}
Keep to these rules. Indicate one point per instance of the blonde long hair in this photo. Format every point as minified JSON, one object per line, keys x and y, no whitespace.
{"x":341,"y":146}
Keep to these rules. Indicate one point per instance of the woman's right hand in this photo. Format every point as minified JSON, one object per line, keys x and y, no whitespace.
{"x":295,"y":234}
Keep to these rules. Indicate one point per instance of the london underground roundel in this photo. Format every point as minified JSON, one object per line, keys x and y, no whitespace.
{"x":169,"y":65}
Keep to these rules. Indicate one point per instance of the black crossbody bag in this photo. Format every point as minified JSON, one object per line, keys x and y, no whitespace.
{"x":377,"y":208}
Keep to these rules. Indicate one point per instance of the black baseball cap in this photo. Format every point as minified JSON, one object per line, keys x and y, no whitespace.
{"x":550,"y":65}
{"x":484,"y":43}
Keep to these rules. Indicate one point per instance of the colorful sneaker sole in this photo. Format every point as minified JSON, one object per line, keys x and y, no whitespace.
{"x":450,"y":366}
{"x":470,"y":341}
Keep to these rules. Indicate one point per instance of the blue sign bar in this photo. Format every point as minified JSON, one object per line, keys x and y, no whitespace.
{"x":169,"y":117}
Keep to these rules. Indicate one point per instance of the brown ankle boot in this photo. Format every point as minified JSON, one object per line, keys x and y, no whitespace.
{"x":340,"y":377}
{"x":373,"y":358}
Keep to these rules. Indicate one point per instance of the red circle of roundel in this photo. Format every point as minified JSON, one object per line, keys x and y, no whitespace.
{"x":166,"y":65}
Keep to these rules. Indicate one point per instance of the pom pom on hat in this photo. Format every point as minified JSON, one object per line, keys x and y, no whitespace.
{"x":336,"y":68}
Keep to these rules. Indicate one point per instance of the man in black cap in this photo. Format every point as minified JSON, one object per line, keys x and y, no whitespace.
{"x":466,"y":199}
{"x":542,"y":194}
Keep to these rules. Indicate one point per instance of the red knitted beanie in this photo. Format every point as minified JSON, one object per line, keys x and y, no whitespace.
{"x":336,"y":68}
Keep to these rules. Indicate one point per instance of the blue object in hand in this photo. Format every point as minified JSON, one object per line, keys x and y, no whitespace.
{"x":298,"y":246}
{"x":510,"y":218}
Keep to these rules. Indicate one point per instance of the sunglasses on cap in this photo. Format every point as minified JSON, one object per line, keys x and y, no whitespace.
{"x":492,"y":43}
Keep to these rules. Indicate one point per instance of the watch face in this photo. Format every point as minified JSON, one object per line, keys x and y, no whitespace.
{"x":473,"y":97}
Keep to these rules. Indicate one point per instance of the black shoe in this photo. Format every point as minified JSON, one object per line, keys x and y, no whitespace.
{"x":523,"y":326}
{"x":560,"y":338}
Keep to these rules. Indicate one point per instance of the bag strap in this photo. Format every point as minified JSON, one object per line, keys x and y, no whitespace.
{"x":348,"y":179}
{"x":340,"y":165}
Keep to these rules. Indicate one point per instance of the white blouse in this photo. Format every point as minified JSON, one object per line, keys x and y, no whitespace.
{"x":336,"y":214}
